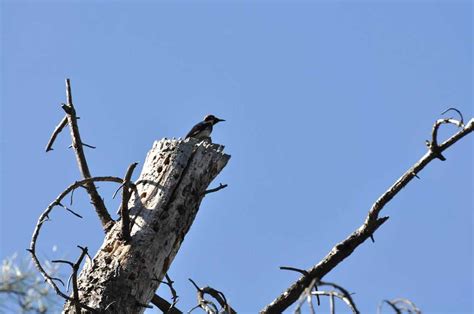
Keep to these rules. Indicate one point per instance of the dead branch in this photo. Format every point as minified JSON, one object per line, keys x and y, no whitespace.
{"x":399,"y":306}
{"x":56,"y":131}
{"x":312,"y":290}
{"x":126,"y":193}
{"x":69,"y":210}
{"x":161,"y":303}
{"x":345,"y":248}
{"x":75,"y":269}
{"x":220,"y":187}
{"x":164,"y":305}
{"x":45,"y":217}
{"x":77,"y":144}
{"x":209,"y":306}
{"x":346,"y":296}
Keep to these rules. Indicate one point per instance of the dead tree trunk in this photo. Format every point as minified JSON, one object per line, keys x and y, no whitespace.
{"x":123,"y":276}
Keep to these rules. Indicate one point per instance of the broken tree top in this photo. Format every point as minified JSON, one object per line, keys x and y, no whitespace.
{"x":169,"y":191}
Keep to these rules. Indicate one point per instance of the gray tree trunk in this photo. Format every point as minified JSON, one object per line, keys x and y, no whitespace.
{"x":123,"y":277}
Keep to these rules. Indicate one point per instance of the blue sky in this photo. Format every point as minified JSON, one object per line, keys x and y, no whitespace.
{"x":327,"y":103}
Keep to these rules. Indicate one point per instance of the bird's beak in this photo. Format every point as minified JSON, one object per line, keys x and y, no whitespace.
{"x":219,"y":120}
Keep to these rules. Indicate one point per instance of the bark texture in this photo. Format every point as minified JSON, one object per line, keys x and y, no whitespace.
{"x":123,"y":276}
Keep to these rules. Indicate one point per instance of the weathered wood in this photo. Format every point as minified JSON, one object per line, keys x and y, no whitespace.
{"x":123,"y":276}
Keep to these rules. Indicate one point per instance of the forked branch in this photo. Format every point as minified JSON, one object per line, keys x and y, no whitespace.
{"x":372,"y":222}
{"x":77,"y":144}
{"x":75,"y":268}
{"x":209,"y":306}
{"x":400,"y":306}
{"x":44,"y":217}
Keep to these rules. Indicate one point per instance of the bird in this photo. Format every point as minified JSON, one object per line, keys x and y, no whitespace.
{"x":202,"y":130}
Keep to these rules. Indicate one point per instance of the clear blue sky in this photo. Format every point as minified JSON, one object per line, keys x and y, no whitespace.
{"x":327,"y":103}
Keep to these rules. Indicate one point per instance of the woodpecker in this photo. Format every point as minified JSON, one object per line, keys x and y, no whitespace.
{"x":202,"y":130}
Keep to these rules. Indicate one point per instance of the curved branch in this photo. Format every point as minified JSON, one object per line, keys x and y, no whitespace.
{"x":45,"y":217}
{"x":216,"y":294}
{"x":345,"y":248}
{"x":337,"y":295}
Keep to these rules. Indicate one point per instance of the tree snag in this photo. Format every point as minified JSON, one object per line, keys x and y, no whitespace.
{"x":123,"y":276}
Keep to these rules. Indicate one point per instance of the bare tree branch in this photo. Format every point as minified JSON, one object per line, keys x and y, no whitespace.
{"x":457,"y":111}
{"x":45,"y":217}
{"x":209,"y":306}
{"x":126,"y":193}
{"x":77,"y":143}
{"x":371,"y":224}
{"x":75,"y":269}
{"x":220,"y":187}
{"x":56,"y":131}
{"x":399,"y":306}
{"x":164,"y":305}
{"x":161,"y":303}
{"x":69,"y":210}
{"x":312,"y":290}
{"x":346,"y":295}
{"x":301,"y":271}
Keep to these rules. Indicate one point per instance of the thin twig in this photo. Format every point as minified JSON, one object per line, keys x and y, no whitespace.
{"x":125,"y":198}
{"x":75,"y":268}
{"x":161,"y":303}
{"x":83,"y":144}
{"x":332,"y":304}
{"x":312,"y":291}
{"x":347,"y":296}
{"x":298,"y":270}
{"x":458,"y":112}
{"x":220,"y":187}
{"x":87,"y":145}
{"x":409,"y":304}
{"x":393,"y":306}
{"x":305,"y":273}
{"x":77,"y":143}
{"x":345,"y":248}
{"x":69,"y":210}
{"x":174,"y":294}
{"x":56,"y":131}
{"x":216,"y":294}
{"x":336,"y":294}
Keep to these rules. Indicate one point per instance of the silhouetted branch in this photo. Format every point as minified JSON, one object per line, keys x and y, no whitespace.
{"x":311,"y":290}
{"x":161,"y":303}
{"x":84,"y":144}
{"x":207,"y":305}
{"x":400,"y":305}
{"x":164,"y":305}
{"x":457,"y":111}
{"x":346,"y":295}
{"x":371,"y":223}
{"x":220,"y":187}
{"x":69,"y":210}
{"x":301,"y":271}
{"x":56,"y":131}
{"x":45,"y":217}
{"x":75,"y":269}
{"x":77,"y":144}
{"x":305,"y":273}
{"x":125,"y":198}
